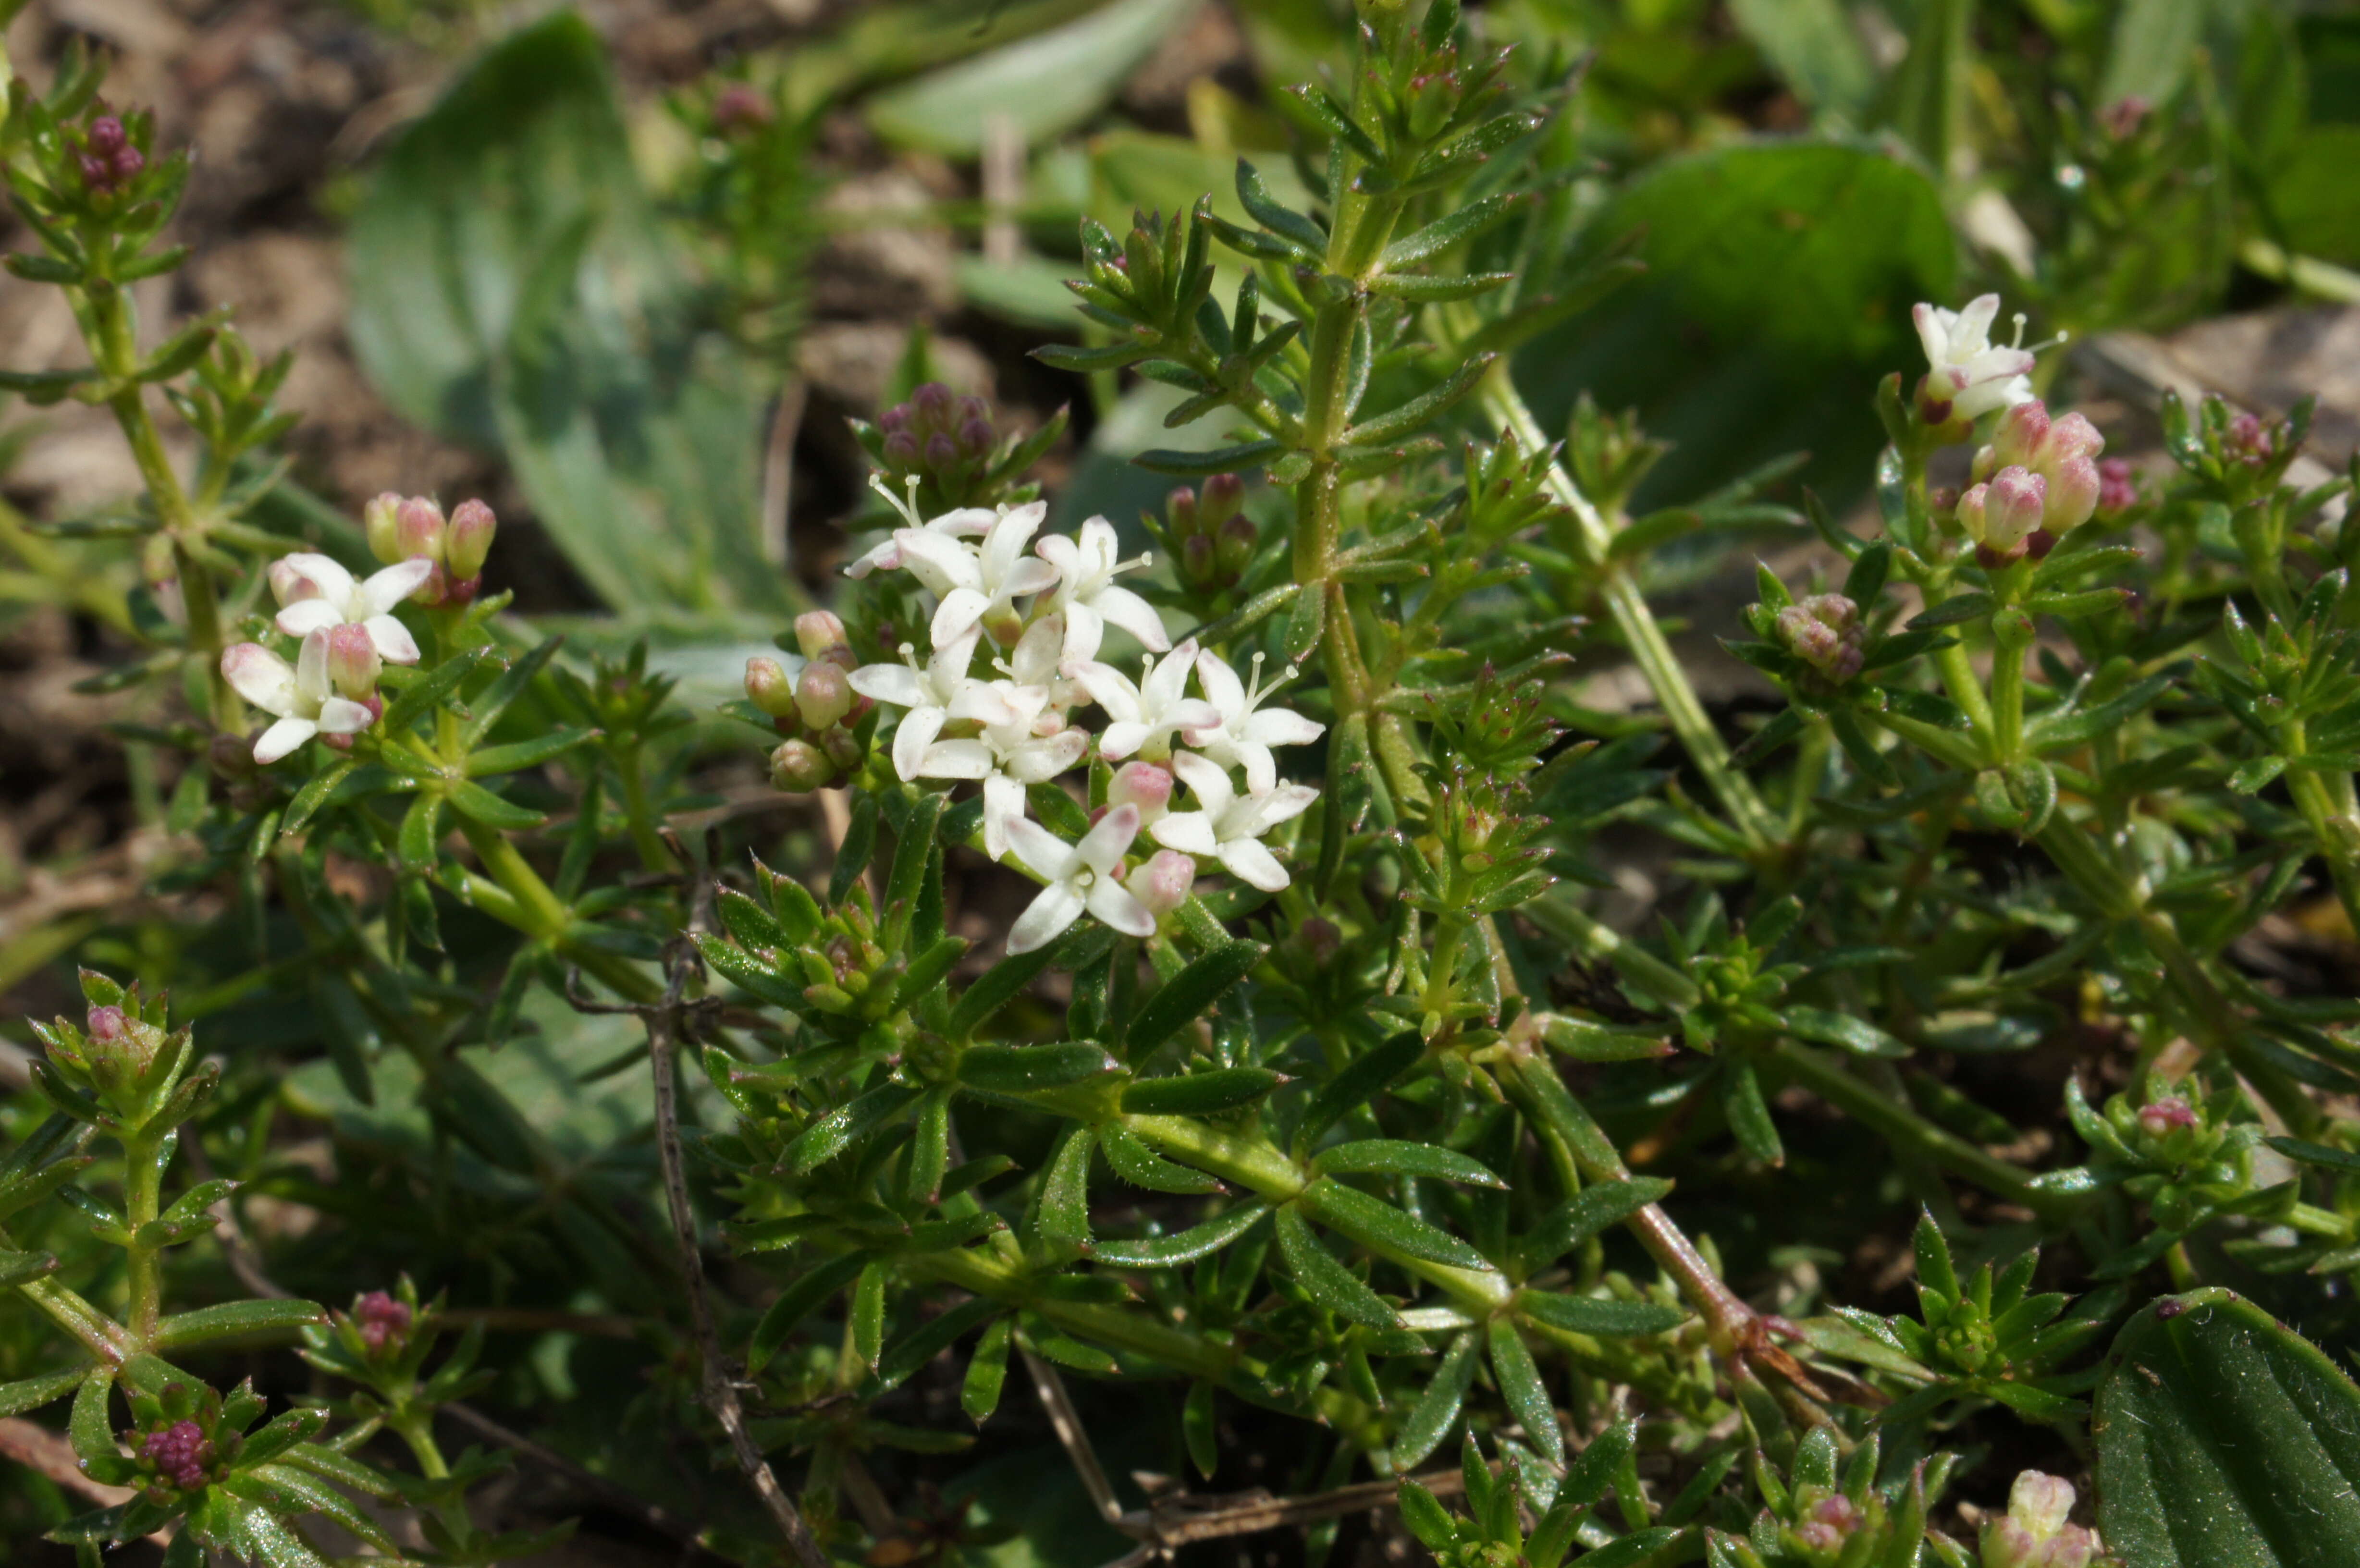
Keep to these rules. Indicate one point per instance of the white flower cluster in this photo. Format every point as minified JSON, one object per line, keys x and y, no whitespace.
{"x":1017,"y":729}
{"x":348,"y":634}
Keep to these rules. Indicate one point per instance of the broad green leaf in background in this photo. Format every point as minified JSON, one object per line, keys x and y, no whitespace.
{"x":2153,"y":44}
{"x":1044,"y":84}
{"x":513,"y":289}
{"x":1814,"y":47}
{"x":1926,"y":97}
{"x":1784,"y":272}
{"x":2226,"y":1441}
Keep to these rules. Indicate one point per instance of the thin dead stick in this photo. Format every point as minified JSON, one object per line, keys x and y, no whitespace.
{"x":778,"y":468}
{"x":663,"y":1022}
{"x":1067,"y":1422}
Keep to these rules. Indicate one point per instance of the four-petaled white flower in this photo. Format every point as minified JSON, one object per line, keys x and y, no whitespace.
{"x":941,"y":693}
{"x":1246,"y":730}
{"x":1976,"y":374}
{"x":319,"y":594}
{"x":1228,"y":826}
{"x":973,"y":583}
{"x":968,"y":522}
{"x":1088,"y":596}
{"x":1148,"y":714}
{"x":1021,"y":750}
{"x":298,"y":694}
{"x":1078,"y":877}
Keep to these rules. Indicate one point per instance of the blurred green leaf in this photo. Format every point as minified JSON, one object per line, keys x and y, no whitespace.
{"x":1813,"y":47}
{"x":513,"y":289}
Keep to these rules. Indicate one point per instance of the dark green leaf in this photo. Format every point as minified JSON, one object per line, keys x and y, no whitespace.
{"x":1399,"y":1157}
{"x":1191,"y":994}
{"x":1325,"y":1280}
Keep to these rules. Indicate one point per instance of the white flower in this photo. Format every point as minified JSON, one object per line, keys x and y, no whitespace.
{"x":1246,"y":731}
{"x":1147,"y":716}
{"x":298,"y":694}
{"x":973,"y":582}
{"x":970,"y":522}
{"x":1088,"y":595}
{"x":1079,"y":876}
{"x":1007,"y":757}
{"x":1976,"y":374}
{"x":943,"y":692}
{"x":318,"y":594}
{"x":1039,"y":660}
{"x":1228,"y":826}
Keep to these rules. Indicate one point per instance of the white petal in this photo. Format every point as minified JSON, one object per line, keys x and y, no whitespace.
{"x":1932,"y":336}
{"x":283,"y":737}
{"x":1188,"y":831}
{"x":958,"y":613}
{"x":1103,"y":847}
{"x":912,"y":736}
{"x":1971,"y":330}
{"x":1133,"y":614}
{"x":1040,"y":851}
{"x":1003,"y":803}
{"x":311,"y":672}
{"x":305,"y":616}
{"x":1112,"y":902}
{"x":968,"y":522}
{"x":1262,"y":768}
{"x":983,"y":702}
{"x":261,"y":677}
{"x":1037,"y":760}
{"x":895,"y":683}
{"x":1266,"y":811}
{"x":340,"y":716}
{"x":1045,"y":918}
{"x":1191,"y":714}
{"x":383,"y":591}
{"x":1169,"y":678}
{"x":1208,"y":780}
{"x":1111,"y":688}
{"x":1084,"y":632}
{"x":942,"y":564}
{"x":1038,"y":651}
{"x":326,"y":575}
{"x":956,"y":759}
{"x":1221,"y":683}
{"x":1247,"y":861}
{"x":1062,"y":553}
{"x":1008,"y":538}
{"x":1121,"y":739}
{"x":1025,"y":577}
{"x":887,"y":556}
{"x":394,"y":643}
{"x":1279,"y":726}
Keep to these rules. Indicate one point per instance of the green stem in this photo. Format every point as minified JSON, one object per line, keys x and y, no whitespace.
{"x":1636,"y":621}
{"x":534,"y":909}
{"x":654,"y":855}
{"x":142,"y":1182}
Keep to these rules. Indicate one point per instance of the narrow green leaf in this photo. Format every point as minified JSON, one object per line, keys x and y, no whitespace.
{"x":1064,"y":1220}
{"x":1527,"y":1397}
{"x":473,"y":801}
{"x":230,"y":1319}
{"x":907,"y":1355}
{"x":986,"y":1372}
{"x":1325,"y":1280}
{"x":32,"y":1393}
{"x":1382,"y":1228}
{"x":798,"y":1301}
{"x":1191,"y":994}
{"x":1200,"y":1093}
{"x":1437,"y":1410}
{"x":1164,"y":1251}
{"x":1399,"y":1157}
{"x":1025,"y":1069}
{"x":1585,"y":1214}
{"x":1142,"y":1167}
{"x":1358,"y":1085}
{"x":1594,"y":1315}
{"x":1201,"y":1426}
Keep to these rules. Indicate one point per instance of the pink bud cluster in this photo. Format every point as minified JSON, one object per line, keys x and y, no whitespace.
{"x":2038,"y":481}
{"x":936,"y":435}
{"x":2035,"y":1533}
{"x":412,"y":528}
{"x":382,"y":1321}
{"x":108,"y":161}
{"x":1825,"y":632}
{"x":815,"y":710}
{"x":182,"y":1453}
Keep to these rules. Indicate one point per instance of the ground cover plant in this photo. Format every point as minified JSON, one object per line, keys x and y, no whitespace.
{"x":1193,"y":1066}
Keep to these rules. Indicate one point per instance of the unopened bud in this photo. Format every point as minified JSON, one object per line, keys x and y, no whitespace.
{"x":106,"y":134}
{"x":1824,"y":632}
{"x":798,"y":765}
{"x":379,"y":520}
{"x":842,"y":746}
{"x":2035,"y":1532}
{"x":2162,"y":1118}
{"x":418,"y":530}
{"x":823,"y":695}
{"x":820,"y":634}
{"x":2072,"y":495}
{"x":933,"y":401}
{"x":767,"y":688}
{"x":942,"y":452}
{"x":468,"y":540}
{"x":107,"y":1026}
{"x":1223,"y":495}
{"x":1164,"y":882}
{"x":2022,"y":436}
{"x":2013,"y":505}
{"x":383,"y":1322}
{"x":2117,"y":487}
{"x":1199,"y":558}
{"x":354,"y":662}
{"x":975,"y":439}
{"x":1238,"y":538}
{"x":1180,"y":512}
{"x":1142,"y":784}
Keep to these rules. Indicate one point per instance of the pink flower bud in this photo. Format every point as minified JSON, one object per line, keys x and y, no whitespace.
{"x":823,"y":695}
{"x":900,"y":451}
{"x":180,"y":1452}
{"x":2011,"y":509}
{"x":821,"y":634}
{"x":767,"y":688}
{"x":383,"y":1320}
{"x":354,"y":662}
{"x":2070,"y":437}
{"x":417,"y":528}
{"x":2160,"y":1119}
{"x":288,"y":583}
{"x":380,"y":519}
{"x":2022,"y":436}
{"x":1164,"y":882}
{"x":1199,"y":558}
{"x":942,"y":452}
{"x":2073,"y":489}
{"x":468,"y":540}
{"x":1180,"y":512}
{"x":107,"y":1026}
{"x":1142,"y":784}
{"x":933,"y":402}
{"x":106,"y":134}
{"x":2117,"y":486}
{"x":1239,"y":536}
{"x":1223,"y":495}
{"x":798,"y":765}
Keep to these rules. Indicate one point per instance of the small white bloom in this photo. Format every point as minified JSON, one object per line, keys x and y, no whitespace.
{"x":1079,"y":876}
{"x":1088,"y":596}
{"x":1246,"y":731}
{"x":318,"y":593}
{"x":1228,"y":826}
{"x":941,"y":693}
{"x":299,"y":695}
{"x":1978,"y":374}
{"x":970,"y":522}
{"x":1148,"y":714}
{"x":1009,"y":757}
{"x":974,"y":582}
{"x":1039,"y":660}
